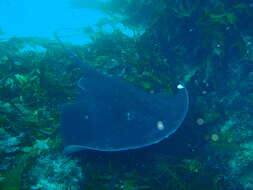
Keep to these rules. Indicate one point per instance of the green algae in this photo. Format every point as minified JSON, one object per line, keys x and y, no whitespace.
{"x":13,"y":177}
{"x":12,"y":180}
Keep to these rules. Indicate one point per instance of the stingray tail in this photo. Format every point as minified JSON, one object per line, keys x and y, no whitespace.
{"x":78,"y":62}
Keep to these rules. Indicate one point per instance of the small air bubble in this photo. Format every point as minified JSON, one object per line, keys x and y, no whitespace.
{"x":180,"y":86}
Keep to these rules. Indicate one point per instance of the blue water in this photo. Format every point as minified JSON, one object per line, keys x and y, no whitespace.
{"x":43,"y":18}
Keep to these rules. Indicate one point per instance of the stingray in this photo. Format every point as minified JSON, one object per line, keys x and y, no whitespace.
{"x":113,"y":115}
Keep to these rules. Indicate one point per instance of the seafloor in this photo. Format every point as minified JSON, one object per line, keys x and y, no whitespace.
{"x":207,"y":45}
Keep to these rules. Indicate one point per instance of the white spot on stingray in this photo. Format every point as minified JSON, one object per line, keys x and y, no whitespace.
{"x":160,"y":125}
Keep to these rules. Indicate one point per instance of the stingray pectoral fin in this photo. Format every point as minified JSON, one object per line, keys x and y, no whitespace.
{"x":112,"y":115}
{"x":73,"y":148}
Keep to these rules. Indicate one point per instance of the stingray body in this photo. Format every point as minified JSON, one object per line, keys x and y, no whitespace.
{"x":112,"y":115}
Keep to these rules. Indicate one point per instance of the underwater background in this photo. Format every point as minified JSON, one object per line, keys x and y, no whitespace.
{"x":151,"y":44}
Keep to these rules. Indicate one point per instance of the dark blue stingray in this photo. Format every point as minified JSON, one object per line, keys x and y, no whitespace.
{"x":113,"y":115}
